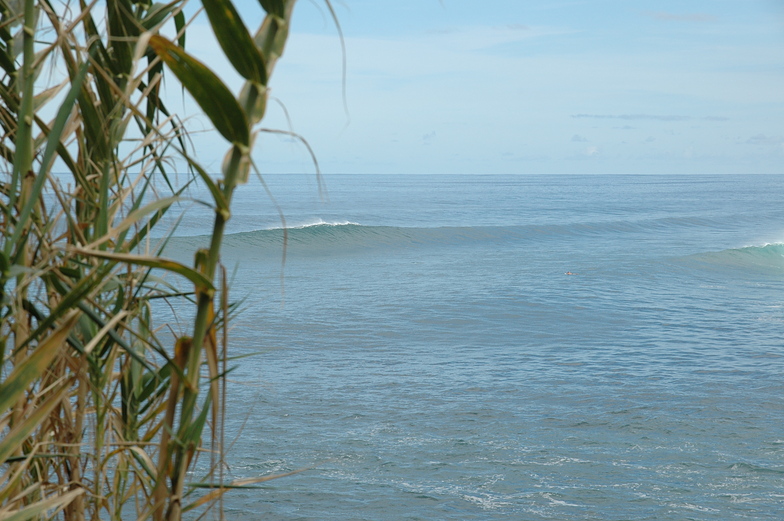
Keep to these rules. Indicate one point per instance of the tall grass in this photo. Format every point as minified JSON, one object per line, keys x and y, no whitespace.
{"x":100,"y":416}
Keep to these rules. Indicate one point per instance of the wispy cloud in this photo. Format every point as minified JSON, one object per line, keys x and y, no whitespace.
{"x":483,"y":37}
{"x":762,"y":139}
{"x":586,"y":153}
{"x":649,"y":117}
{"x":672,"y":17}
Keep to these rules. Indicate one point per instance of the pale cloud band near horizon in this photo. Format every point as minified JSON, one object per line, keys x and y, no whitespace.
{"x":650,"y":117}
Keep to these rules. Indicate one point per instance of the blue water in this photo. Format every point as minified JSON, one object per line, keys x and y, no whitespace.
{"x":423,"y":354}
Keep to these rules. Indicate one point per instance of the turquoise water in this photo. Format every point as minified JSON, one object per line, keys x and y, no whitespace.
{"x":425,"y":355}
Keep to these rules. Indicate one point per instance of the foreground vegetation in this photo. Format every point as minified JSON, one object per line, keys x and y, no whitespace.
{"x":102,"y":415}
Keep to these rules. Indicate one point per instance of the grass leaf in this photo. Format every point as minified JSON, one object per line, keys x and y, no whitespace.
{"x":35,"y":364}
{"x":235,"y":40}
{"x":194,"y":276}
{"x":276,"y":7}
{"x":17,"y":435}
{"x":40,"y":507}
{"x":212,"y":95}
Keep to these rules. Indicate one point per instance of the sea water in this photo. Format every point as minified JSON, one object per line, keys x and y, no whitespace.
{"x":506,"y":347}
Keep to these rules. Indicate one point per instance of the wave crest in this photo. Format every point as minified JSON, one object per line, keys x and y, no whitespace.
{"x":768,"y":257}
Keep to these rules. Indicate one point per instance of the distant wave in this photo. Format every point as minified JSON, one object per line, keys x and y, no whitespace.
{"x":321,"y":237}
{"x":317,"y":222}
{"x":324,"y":238}
{"x":343,"y":236}
{"x":768,"y":257}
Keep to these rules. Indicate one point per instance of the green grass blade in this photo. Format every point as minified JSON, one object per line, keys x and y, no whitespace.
{"x":136,"y":217}
{"x":53,"y":142}
{"x":7,"y":63}
{"x":92,"y":315}
{"x":179,"y":24}
{"x":122,"y":27}
{"x":72,"y":297}
{"x":23,"y":155}
{"x":235,"y":40}
{"x":211,"y":94}
{"x":159,"y":13}
{"x":276,"y":7}
{"x":221,"y":205}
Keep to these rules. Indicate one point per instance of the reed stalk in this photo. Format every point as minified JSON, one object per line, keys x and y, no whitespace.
{"x":100,"y":418}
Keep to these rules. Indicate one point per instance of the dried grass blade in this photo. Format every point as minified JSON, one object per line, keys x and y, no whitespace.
{"x":194,"y":276}
{"x":35,"y":364}
{"x":38,"y":508}
{"x":240,"y":483}
{"x":16,"y":437}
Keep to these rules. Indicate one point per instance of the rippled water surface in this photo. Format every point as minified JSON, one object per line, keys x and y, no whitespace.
{"x":430,"y":358}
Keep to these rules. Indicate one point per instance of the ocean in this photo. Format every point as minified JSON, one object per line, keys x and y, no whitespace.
{"x":506,"y":347}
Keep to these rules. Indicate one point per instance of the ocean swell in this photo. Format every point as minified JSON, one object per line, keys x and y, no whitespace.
{"x":768,"y":257}
{"x":328,"y":238}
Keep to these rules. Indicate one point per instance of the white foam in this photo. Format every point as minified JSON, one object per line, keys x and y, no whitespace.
{"x":306,"y":224}
{"x":321,"y":222}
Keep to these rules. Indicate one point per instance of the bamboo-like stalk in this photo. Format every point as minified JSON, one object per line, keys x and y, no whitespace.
{"x":253,"y":58}
{"x":86,"y":386}
{"x":22,"y":167}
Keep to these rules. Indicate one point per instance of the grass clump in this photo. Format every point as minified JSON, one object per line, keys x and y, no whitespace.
{"x":101,"y":417}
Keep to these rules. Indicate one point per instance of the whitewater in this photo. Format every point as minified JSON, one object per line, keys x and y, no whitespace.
{"x":505,"y":347}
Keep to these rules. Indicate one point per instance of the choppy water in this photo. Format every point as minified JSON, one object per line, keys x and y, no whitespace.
{"x":430,"y":358}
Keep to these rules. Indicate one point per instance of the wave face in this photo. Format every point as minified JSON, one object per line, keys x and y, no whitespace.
{"x":768,"y":258}
{"x":330,"y":238}
{"x":348,"y":237}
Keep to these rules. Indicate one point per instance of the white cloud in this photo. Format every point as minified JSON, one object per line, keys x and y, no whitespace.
{"x":690,"y":17}
{"x":650,"y":117}
{"x":762,"y":139}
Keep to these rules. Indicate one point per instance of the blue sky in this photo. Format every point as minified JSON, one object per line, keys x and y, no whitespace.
{"x":531,"y":86}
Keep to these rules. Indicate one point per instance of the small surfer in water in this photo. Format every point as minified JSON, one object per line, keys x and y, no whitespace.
{"x":569,"y":273}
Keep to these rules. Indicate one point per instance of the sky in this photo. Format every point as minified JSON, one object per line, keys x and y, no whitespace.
{"x":520,"y":87}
